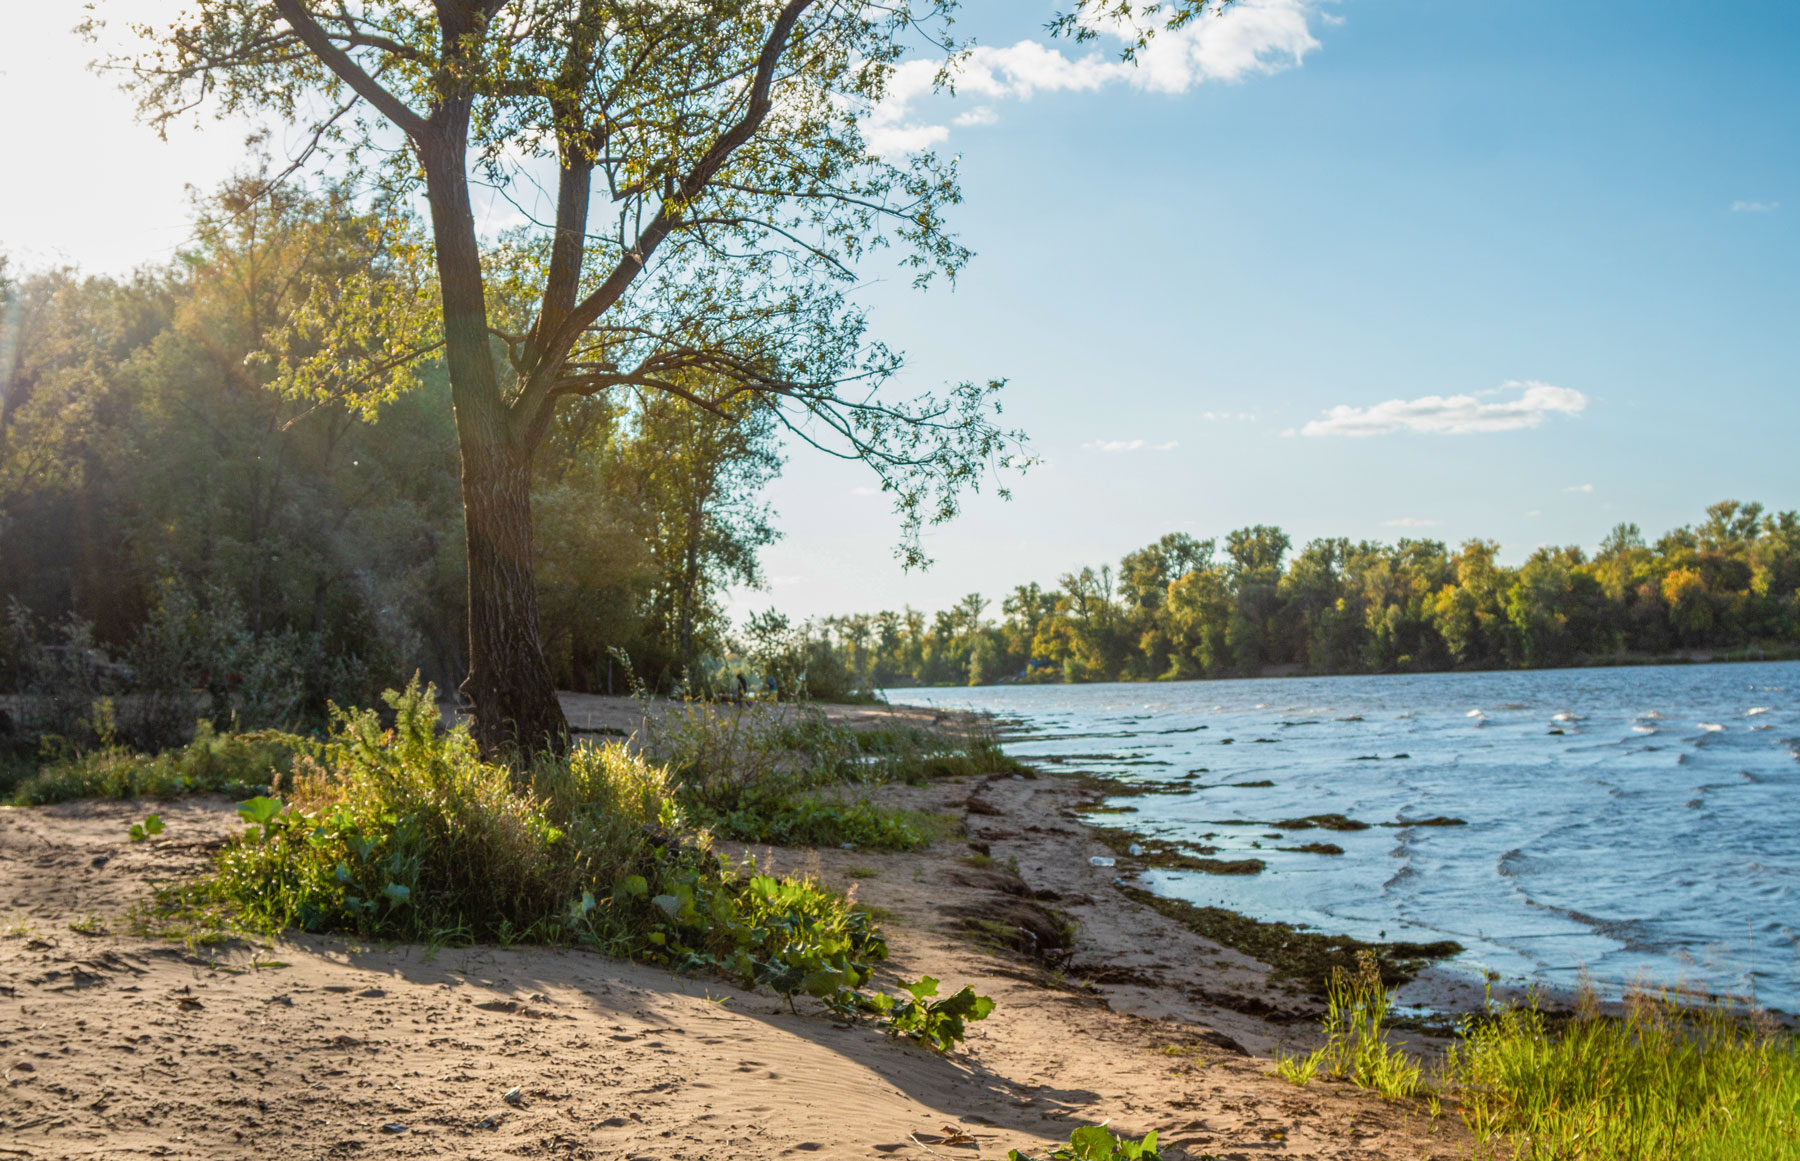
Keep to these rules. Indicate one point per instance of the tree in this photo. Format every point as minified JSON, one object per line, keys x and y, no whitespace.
{"x":705,"y":472}
{"x":726,"y":136}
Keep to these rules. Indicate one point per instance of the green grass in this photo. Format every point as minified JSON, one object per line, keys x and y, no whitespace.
{"x":235,"y":764}
{"x":808,"y":821}
{"x":1356,"y":1046}
{"x":1664,"y":1082}
{"x":752,"y":774}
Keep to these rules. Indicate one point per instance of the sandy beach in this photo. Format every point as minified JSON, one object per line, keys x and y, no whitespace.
{"x":117,"y":1045}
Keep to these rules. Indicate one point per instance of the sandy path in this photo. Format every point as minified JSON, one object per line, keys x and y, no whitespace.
{"x":114,"y":1045}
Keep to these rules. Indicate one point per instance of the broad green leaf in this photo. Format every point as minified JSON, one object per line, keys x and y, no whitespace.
{"x":260,"y":811}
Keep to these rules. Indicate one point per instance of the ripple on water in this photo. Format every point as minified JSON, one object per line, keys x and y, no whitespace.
{"x":1599,"y":850}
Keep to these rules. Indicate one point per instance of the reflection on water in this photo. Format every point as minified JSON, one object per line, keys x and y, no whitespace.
{"x":1638,"y":824}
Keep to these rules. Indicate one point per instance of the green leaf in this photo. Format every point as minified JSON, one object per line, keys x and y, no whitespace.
{"x":397,"y":893}
{"x":153,"y":825}
{"x":1092,"y":1143}
{"x":634,"y":886}
{"x":260,"y":811}
{"x":669,"y":903}
{"x":924,"y":989}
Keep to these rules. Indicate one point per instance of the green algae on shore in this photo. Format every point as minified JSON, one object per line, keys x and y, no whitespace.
{"x":1165,"y":855}
{"x":1305,"y":957}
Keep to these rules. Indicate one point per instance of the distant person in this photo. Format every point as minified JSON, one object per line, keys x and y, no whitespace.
{"x":743,"y":688}
{"x":771,"y":689}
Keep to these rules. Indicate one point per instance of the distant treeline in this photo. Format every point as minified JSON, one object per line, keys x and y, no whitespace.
{"x":1181,"y":608}
{"x":171,"y":529}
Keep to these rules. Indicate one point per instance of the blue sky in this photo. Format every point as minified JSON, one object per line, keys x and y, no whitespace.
{"x":1542,"y":254}
{"x":1440,"y":199}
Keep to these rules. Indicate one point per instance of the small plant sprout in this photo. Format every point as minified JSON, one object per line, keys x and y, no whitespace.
{"x":1299,"y":1070}
{"x":148,"y":829}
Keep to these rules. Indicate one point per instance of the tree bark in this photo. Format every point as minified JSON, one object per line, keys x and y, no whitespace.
{"x":509,"y":683}
{"x":509,"y":677}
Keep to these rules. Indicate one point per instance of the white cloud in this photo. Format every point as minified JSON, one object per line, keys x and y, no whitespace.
{"x":1249,"y":38}
{"x":1452,"y":414}
{"x":1754,"y":207}
{"x":1579,"y":488}
{"x":1409,"y":522}
{"x":1129,"y":445}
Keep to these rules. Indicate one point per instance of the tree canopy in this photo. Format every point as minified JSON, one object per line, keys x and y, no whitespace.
{"x":714,"y":199}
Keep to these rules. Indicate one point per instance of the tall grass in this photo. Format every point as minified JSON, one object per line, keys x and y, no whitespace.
{"x":1662,"y":1083}
{"x":1356,"y":1045}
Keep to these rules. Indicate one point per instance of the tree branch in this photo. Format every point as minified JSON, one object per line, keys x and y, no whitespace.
{"x":347,"y":70}
{"x":534,"y":403}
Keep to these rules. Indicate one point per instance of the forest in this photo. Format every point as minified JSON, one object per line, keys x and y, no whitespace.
{"x":171,"y":524}
{"x":1190,"y":608}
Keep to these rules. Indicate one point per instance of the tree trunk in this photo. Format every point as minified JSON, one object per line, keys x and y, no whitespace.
{"x":509,"y":684}
{"x":509,"y":678}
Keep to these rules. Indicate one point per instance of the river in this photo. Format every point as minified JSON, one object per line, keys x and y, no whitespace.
{"x":1636,"y":825}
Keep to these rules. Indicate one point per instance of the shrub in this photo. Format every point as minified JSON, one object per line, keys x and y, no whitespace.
{"x":406,"y":833}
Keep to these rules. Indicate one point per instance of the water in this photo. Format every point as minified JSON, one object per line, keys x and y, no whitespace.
{"x":1653,"y":840}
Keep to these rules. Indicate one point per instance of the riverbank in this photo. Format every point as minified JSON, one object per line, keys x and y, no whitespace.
{"x":119,"y":1045}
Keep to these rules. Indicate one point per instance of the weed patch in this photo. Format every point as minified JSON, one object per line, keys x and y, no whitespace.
{"x":809,"y":821}
{"x":937,"y":1024}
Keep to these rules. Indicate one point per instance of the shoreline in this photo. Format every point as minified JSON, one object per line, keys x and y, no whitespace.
{"x":124,"y":1045}
{"x":1435,"y":992}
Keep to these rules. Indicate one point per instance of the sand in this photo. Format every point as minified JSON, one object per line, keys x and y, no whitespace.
{"x":117,"y":1045}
